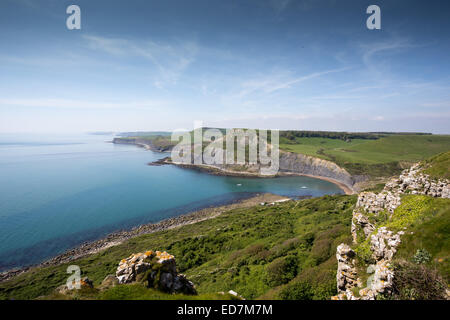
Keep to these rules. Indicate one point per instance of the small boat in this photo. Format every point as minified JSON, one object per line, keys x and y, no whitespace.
{"x":304,"y":187}
{"x":239,"y":184}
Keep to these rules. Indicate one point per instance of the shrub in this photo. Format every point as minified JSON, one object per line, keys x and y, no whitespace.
{"x":422,"y":256}
{"x":321,"y":250}
{"x":417,"y":282}
{"x":299,"y":290}
{"x":282,"y":270}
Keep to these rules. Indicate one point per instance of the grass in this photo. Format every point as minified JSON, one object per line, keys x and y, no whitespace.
{"x":135,"y":291}
{"x":438,"y":167}
{"x":242,"y":250}
{"x":414,"y":209}
{"x":431,"y":232}
{"x":380,"y":157}
{"x":312,"y":146}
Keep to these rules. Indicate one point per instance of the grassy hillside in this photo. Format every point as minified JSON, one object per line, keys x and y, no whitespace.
{"x":438,"y":167}
{"x":378,"y":157}
{"x":282,"y":251}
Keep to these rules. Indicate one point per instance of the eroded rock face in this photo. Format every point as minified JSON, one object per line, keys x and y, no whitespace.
{"x":300,"y":163}
{"x":383,"y":243}
{"x":346,"y":274}
{"x":383,"y":278}
{"x":156,"y":269}
{"x":415,"y":182}
{"x":375,"y":203}
{"x":360,"y":221}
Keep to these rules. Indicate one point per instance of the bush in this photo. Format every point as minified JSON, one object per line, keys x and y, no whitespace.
{"x":282,"y":270}
{"x":417,"y":282}
{"x":300,"y":290}
{"x":422,"y":256}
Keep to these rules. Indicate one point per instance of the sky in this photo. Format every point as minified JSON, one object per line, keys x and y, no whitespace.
{"x":147,"y":65}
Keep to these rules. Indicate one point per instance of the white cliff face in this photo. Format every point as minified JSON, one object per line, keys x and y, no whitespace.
{"x":303,"y":164}
{"x":383,"y":242}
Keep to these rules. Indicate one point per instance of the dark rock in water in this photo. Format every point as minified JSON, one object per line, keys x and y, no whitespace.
{"x":160,"y":162}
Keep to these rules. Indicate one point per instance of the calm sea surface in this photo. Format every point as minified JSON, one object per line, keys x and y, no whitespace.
{"x":59,"y":191}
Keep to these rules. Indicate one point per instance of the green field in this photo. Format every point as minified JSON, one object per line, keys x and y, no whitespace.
{"x":383,"y":156}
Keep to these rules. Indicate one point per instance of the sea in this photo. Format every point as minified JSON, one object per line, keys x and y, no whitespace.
{"x":58,"y":191}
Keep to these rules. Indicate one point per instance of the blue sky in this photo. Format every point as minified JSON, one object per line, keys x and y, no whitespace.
{"x":280,"y":64}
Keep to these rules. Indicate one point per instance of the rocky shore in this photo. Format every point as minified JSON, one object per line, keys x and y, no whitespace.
{"x":119,"y":237}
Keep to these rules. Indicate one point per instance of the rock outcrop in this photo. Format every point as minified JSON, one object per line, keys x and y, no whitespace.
{"x":374,"y":203}
{"x":413,"y":181}
{"x":347,"y":275}
{"x":85,"y":283}
{"x":156,"y":270}
{"x":382,"y":243}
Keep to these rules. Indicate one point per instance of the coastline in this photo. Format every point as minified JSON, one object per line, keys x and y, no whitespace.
{"x":120,"y":237}
{"x":226,"y":172}
{"x":147,"y":145}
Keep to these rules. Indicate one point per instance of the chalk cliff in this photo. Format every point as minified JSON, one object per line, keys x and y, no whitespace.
{"x":303,"y":164}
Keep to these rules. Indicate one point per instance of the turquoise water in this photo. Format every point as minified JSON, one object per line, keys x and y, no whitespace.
{"x":59,"y":191}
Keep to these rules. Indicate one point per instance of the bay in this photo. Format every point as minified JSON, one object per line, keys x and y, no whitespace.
{"x":58,"y":191}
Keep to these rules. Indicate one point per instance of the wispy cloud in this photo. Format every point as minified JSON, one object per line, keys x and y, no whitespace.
{"x":280,"y":81}
{"x":170,"y":60}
